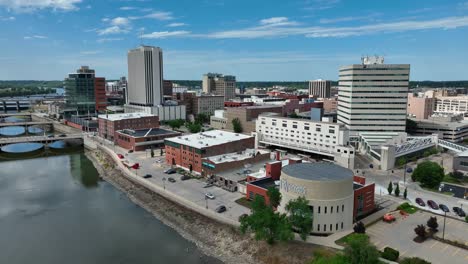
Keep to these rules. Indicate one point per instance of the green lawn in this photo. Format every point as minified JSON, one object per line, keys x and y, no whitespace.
{"x":407,"y":208}
{"x":244,"y":202}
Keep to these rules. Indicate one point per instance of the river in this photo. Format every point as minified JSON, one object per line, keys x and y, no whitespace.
{"x":56,"y":210}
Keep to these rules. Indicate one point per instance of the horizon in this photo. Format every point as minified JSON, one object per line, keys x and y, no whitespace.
{"x":294,"y":40}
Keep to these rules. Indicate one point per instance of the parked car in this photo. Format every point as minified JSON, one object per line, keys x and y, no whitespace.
{"x":62,"y":135}
{"x":209,"y":196}
{"x":170,"y":179}
{"x":147,"y":176}
{"x":221,"y":209}
{"x":444,"y":208}
{"x":170,"y":171}
{"x":184,"y":177}
{"x":50,"y":136}
{"x":389,"y":218}
{"x":130,"y":151}
{"x":459,"y":211}
{"x":420,"y":202}
{"x":432,"y":204}
{"x":120,"y":156}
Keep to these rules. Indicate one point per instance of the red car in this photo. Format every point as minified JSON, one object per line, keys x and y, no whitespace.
{"x":389,"y":218}
{"x":120,"y":156}
{"x":433,"y":204}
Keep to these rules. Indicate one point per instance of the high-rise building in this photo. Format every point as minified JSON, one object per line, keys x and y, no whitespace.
{"x":372,"y":96}
{"x":218,"y":84}
{"x":420,"y":106}
{"x":320,"y":88}
{"x":145,"y":76}
{"x":144,"y":91}
{"x":85,"y":93}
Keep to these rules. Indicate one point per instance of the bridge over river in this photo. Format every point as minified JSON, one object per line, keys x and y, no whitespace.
{"x":39,"y":139}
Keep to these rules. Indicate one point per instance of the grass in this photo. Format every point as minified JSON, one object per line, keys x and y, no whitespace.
{"x":345,"y":240}
{"x":406,"y":207}
{"x":244,"y":202}
{"x":450,"y":179}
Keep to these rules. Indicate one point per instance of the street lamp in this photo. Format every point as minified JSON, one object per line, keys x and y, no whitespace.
{"x":443,"y":232}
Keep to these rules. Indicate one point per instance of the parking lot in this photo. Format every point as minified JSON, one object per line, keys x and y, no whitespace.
{"x":399,"y":235}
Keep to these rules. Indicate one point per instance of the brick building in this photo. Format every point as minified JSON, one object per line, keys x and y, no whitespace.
{"x":330,"y":104}
{"x":420,"y":107}
{"x":188,"y":151}
{"x":167,"y":88}
{"x":100,"y":93}
{"x":109,"y":124}
{"x":185,"y":98}
{"x":142,"y":139}
{"x":247,"y":115}
{"x":363,"y":197}
{"x":207,"y":104}
{"x":237,"y":104}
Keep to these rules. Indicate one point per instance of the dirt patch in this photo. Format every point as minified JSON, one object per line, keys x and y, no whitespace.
{"x":213,"y":238}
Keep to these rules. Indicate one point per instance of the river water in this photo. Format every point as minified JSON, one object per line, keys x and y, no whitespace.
{"x":56,"y":210}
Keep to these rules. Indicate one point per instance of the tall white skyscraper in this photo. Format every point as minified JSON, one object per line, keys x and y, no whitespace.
{"x":372,"y":96}
{"x":145,"y":76}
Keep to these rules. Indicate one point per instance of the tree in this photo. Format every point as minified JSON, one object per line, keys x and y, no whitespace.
{"x":405,"y":193}
{"x":293,"y":115}
{"x":300,"y":216}
{"x":152,"y":152}
{"x":359,"y":228}
{"x":175,"y":124}
{"x":414,"y":260}
{"x":397,"y":190}
{"x":266,"y":224}
{"x":236,"y":125}
{"x":202,"y":118}
{"x":432,"y":224}
{"x":410,"y":125}
{"x":193,"y":127}
{"x":420,"y":230}
{"x":390,"y":188}
{"x":429,"y":174}
{"x":275,"y":196}
{"x":359,"y":251}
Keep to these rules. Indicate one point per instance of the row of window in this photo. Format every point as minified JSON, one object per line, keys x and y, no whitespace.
{"x":373,"y":97}
{"x":331,"y":227}
{"x":294,"y":126}
{"x":370,"y":102}
{"x":374,"y":69}
{"x":377,"y":74}
{"x":372,"y":108}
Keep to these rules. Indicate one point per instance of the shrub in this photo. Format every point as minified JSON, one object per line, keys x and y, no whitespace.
{"x":390,"y":254}
{"x":359,"y":228}
{"x":397,"y":190}
{"x":390,"y":188}
{"x":414,"y":260}
{"x":432,"y":224}
{"x":405,"y":193}
{"x":420,"y":230}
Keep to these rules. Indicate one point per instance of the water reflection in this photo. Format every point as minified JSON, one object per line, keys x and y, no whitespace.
{"x":22,"y":147}
{"x":12,"y":131}
{"x":86,"y":174}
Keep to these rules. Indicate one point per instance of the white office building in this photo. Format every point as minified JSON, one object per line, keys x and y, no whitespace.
{"x":372,"y":96}
{"x":323,"y":138}
{"x":144,"y":91}
{"x":320,"y":88}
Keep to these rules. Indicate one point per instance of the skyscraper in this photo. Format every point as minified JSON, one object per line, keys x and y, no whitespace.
{"x":372,"y":96}
{"x":218,"y":84}
{"x":145,"y":76}
{"x":320,"y":88}
{"x":84,"y":92}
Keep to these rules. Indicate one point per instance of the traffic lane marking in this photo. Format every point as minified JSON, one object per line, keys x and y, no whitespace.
{"x":455,"y":252}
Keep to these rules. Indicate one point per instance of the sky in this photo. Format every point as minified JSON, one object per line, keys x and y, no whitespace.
{"x":255,"y":40}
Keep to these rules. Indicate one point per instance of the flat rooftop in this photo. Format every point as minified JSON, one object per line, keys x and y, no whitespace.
{"x":241,"y":174}
{"x":123,"y":116}
{"x":322,"y":171}
{"x":208,"y":139}
{"x":146,"y":132}
{"x":236,"y":156}
{"x":264,"y":183}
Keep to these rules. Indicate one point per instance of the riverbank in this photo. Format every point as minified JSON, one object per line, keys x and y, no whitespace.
{"x":213,"y":238}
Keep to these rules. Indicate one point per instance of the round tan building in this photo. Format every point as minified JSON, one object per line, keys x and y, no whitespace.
{"x":329,"y":190}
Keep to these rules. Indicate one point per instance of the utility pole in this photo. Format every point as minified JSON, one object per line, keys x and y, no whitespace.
{"x":404,"y":173}
{"x":443,"y":232}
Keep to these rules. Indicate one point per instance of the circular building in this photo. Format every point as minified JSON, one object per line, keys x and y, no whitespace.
{"x":329,"y":190}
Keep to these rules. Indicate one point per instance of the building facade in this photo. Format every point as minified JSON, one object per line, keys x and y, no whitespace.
{"x":452,"y":105}
{"x":100,"y":94}
{"x":218,"y":84}
{"x":328,"y":189}
{"x":372,"y":96}
{"x":142,"y":139}
{"x":167,"y":88}
{"x":448,"y":127}
{"x":207,"y":104}
{"x":323,"y":138}
{"x":247,"y":115}
{"x":188,"y":151}
{"x":320,"y":88}
{"x":84,"y":92}
{"x":145,"y":76}
{"x":420,"y":107}
{"x":109,"y":124}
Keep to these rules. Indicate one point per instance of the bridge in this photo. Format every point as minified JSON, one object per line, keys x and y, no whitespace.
{"x":26,"y":124}
{"x":15,"y":114}
{"x":38,"y":139}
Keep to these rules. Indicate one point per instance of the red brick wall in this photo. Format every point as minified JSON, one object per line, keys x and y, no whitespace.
{"x":255,"y":190}
{"x":368,"y":196}
{"x":100,"y":93}
{"x":273,"y":170}
{"x":109,"y":128}
{"x":359,"y":179}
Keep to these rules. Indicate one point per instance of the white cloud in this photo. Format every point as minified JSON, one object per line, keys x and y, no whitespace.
{"x":120,"y":21}
{"x":176,"y":25}
{"x":317,"y":5}
{"x":277,"y":21}
{"x":160,"y":15}
{"x":321,"y":32}
{"x":128,"y":8}
{"x":112,"y":30}
{"x":90,"y":52}
{"x":10,"y":18}
{"x":166,"y":34}
{"x":102,"y":40}
{"x":32,"y":5}
{"x":35,"y":37}
{"x":347,"y":19}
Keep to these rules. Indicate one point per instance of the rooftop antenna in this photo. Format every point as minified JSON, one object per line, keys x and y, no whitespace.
{"x":142,"y":31}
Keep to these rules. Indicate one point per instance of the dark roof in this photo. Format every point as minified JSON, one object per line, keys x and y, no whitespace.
{"x":142,"y":132}
{"x":264,"y":183}
{"x":322,"y":171}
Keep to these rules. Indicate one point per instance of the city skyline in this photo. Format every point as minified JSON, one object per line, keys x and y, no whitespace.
{"x":288,"y":41}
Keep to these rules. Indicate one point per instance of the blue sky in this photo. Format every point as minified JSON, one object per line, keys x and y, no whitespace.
{"x":273,"y":40}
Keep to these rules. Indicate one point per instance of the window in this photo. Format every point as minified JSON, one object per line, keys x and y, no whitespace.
{"x":324,"y":228}
{"x":336,"y":227}
{"x":331,"y":209}
{"x":285,"y":125}
{"x":318,"y":129}
{"x":337,"y":209}
{"x":342,"y":208}
{"x":331,"y":227}
{"x":325,"y":209}
{"x":294,"y":126}
{"x":319,"y":210}
{"x":341,"y":225}
{"x":318,"y":227}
